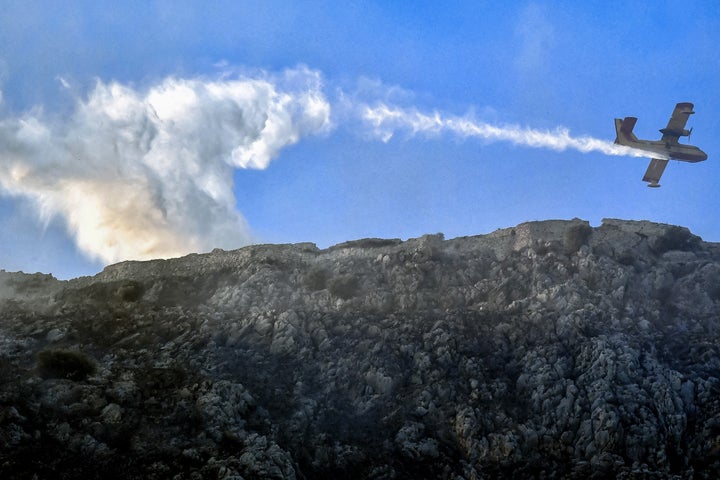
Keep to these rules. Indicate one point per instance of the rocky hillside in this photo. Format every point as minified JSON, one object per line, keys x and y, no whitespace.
{"x":548,"y":350}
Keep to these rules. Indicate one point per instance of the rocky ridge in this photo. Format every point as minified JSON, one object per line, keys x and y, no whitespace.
{"x":548,"y":350}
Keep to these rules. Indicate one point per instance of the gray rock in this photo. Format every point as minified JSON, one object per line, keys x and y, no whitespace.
{"x":55,"y":335}
{"x":111,"y":414}
{"x":548,"y":350}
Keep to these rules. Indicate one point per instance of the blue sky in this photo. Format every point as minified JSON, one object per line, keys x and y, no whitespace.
{"x":331,"y":175}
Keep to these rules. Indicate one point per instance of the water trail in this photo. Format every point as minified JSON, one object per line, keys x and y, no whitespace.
{"x":385,"y":121}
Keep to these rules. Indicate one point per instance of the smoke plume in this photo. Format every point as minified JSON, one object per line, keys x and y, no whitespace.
{"x":385,"y":121}
{"x":139,"y":174}
{"x":148,"y":173}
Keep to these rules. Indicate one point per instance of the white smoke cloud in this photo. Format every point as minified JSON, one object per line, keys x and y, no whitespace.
{"x":139,"y":174}
{"x":385,"y":121}
{"x":148,"y":173}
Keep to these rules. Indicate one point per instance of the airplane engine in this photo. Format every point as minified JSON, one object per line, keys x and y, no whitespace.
{"x":678,"y":133}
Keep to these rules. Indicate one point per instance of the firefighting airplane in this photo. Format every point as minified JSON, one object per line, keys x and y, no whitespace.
{"x":667,"y":148}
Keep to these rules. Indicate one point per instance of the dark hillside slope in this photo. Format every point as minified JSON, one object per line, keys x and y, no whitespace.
{"x":549,"y":350}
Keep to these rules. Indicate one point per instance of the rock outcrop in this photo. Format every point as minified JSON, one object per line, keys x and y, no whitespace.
{"x":548,"y":350}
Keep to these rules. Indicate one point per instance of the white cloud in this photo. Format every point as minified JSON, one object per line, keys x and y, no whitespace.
{"x":63,"y":83}
{"x":139,"y":174}
{"x":385,"y":121}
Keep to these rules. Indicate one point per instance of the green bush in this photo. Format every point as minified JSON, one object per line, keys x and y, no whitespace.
{"x":59,"y":363}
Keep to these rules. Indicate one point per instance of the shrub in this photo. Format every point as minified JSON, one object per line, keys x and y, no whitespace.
{"x":576,"y":236}
{"x":316,"y":279}
{"x":59,"y":363}
{"x":674,"y":238}
{"x":367,"y":243}
{"x":344,"y":286}
{"x":130,"y":292}
{"x":541,"y":247}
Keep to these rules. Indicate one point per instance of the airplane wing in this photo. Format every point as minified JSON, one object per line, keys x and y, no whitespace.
{"x":676,"y":126}
{"x":655,"y":171}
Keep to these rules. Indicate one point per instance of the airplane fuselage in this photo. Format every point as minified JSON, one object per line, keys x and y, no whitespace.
{"x":677,"y":151}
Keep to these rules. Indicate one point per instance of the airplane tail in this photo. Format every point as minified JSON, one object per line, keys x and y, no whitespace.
{"x":624,"y":130}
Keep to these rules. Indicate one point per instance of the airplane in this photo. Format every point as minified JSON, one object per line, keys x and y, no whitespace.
{"x":667,"y":148}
